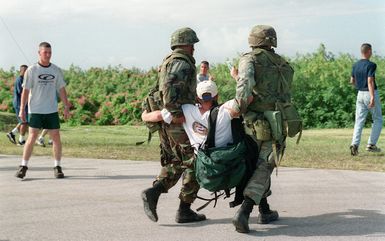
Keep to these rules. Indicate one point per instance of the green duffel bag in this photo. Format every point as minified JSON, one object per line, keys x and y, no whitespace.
{"x":220,"y":168}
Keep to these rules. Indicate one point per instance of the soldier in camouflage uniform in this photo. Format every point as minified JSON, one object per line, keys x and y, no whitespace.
{"x":177,"y":86}
{"x":262,"y":83}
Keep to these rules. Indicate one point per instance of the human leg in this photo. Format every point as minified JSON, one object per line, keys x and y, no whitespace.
{"x":28,"y":147}
{"x":57,"y":145}
{"x":361,"y":113}
{"x":377,"y":121}
{"x":188,"y":194}
{"x":256,"y":188}
{"x":23,"y":130}
{"x":169,"y":175}
{"x":27,"y":152}
{"x":12,"y":134}
{"x":52,"y":124}
{"x":40,"y":141}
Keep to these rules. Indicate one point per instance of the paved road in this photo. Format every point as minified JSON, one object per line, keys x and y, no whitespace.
{"x":100,"y":200}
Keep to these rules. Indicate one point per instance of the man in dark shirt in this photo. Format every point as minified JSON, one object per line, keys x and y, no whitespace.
{"x":363,"y":78}
{"x":21,"y":126}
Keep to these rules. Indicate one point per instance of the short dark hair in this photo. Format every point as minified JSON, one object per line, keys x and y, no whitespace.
{"x":365,"y":47}
{"x":44,"y":45}
{"x":23,"y":66}
{"x":206,"y":63}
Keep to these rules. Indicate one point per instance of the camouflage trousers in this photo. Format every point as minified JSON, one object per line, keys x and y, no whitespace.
{"x":259,"y":183}
{"x":177,"y":156}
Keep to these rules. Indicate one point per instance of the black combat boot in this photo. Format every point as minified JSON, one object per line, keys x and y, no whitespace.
{"x":241,"y":217}
{"x":150,"y":199}
{"x":265,"y":214}
{"x":186,"y":215}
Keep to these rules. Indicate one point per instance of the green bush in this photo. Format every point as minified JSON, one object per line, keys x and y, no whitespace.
{"x":113,"y":95}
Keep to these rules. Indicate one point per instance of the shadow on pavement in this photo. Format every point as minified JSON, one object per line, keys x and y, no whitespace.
{"x":85,"y":178}
{"x":14,"y":168}
{"x":355,"y":222}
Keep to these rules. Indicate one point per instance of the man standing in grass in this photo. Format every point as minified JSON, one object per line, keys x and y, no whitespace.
{"x":21,"y":126}
{"x":204,"y":72}
{"x":42,"y":81}
{"x":368,"y":99}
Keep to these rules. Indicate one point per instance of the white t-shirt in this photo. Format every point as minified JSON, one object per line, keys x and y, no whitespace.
{"x":196,"y":125}
{"x":43,"y":84}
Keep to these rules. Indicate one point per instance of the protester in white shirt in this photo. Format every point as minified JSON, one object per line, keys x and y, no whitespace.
{"x":196,"y":116}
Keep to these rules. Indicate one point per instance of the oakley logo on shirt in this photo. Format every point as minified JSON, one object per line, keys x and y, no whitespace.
{"x":46,"y":79}
{"x":46,"y":76}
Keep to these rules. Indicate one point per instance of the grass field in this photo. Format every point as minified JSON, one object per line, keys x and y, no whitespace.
{"x":324,"y":148}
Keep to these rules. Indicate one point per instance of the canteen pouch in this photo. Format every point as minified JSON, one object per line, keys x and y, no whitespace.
{"x":275,"y":120}
{"x":292,"y":122}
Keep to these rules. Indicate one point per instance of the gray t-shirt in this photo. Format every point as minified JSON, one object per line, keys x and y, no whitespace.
{"x":43,"y":84}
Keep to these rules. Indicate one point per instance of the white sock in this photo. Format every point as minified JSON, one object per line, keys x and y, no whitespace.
{"x":57,"y":163}
{"x":24,"y":163}
{"x":15,"y":130}
{"x":21,"y":138}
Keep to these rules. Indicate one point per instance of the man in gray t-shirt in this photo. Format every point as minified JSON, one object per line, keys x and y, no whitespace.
{"x":41,"y":83}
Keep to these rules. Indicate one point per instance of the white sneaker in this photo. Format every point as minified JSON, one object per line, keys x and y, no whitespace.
{"x":373,"y":148}
{"x":40,"y":142}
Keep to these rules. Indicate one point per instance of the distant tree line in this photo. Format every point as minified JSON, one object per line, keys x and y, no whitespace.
{"x":113,"y":95}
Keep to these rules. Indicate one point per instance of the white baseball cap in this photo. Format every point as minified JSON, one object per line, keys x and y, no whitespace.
{"x":207,"y":90}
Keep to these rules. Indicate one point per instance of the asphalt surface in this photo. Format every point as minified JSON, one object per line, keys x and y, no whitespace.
{"x":100,"y":200}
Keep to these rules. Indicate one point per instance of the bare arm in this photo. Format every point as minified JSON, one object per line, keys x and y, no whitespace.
{"x":352,"y":80}
{"x":371,"y":91}
{"x":154,"y":116}
{"x":23,"y":102}
{"x":67,"y":105}
{"x":235,"y":114}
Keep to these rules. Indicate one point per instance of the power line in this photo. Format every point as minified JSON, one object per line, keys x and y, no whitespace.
{"x":14,"y":39}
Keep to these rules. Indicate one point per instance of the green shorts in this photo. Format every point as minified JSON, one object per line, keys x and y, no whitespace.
{"x":44,"y":121}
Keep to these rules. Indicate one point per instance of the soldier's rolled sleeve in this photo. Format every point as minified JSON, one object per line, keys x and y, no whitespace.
{"x":245,"y":84}
{"x":174,"y":86}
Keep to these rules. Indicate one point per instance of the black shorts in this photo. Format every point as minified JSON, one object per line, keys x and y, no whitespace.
{"x":44,"y":121}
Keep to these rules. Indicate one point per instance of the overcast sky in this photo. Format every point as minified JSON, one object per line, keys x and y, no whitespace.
{"x":90,"y":33}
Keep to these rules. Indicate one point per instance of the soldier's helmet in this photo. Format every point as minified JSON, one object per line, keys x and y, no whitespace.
{"x":183,"y":36}
{"x":262,"y":35}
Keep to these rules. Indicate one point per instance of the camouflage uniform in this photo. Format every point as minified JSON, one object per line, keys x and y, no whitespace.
{"x":177,"y":86}
{"x":261,"y":74}
{"x":261,"y":78}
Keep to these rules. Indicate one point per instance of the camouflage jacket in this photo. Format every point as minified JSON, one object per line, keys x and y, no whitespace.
{"x":264,"y":75}
{"x":177,"y":81}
